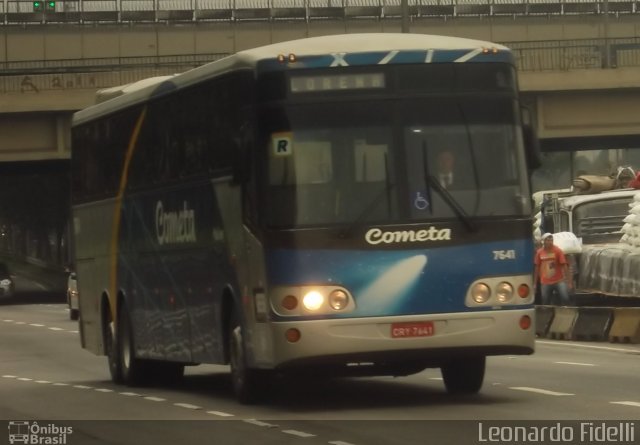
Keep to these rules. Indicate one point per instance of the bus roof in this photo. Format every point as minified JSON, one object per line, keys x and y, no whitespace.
{"x":323,"y":45}
{"x":109,"y":93}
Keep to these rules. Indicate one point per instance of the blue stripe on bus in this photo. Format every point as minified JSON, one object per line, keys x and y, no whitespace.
{"x":387,"y":57}
{"x":400,"y":282}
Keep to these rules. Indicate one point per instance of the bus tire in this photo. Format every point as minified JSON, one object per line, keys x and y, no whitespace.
{"x":111,"y":348}
{"x":464,"y":375}
{"x":134,"y":370}
{"x":248,"y":387}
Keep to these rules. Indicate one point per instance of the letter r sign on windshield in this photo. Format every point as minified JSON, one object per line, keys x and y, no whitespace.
{"x":281,"y":144}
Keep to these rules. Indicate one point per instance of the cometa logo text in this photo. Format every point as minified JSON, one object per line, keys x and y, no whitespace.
{"x":175,"y":227}
{"x":378,"y":236}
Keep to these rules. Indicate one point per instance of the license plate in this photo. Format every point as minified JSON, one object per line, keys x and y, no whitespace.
{"x":419,"y":329}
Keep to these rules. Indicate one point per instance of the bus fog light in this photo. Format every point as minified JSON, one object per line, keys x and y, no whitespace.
{"x":525,"y":322}
{"x":338,"y":299}
{"x":313,"y":300}
{"x":504,"y":292}
{"x":480,"y":293}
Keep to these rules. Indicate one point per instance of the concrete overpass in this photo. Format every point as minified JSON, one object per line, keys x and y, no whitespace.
{"x":581,"y":72}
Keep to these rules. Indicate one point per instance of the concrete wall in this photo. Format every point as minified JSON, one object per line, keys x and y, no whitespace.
{"x":75,"y":42}
{"x":35,"y":110}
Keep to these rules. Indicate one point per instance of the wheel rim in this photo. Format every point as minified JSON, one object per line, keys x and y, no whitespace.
{"x":110,"y":339}
{"x":111,"y":336}
{"x":125,"y":346}
{"x":237,"y":359}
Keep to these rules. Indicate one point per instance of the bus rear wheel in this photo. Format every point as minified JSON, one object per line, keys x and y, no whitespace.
{"x":464,"y":375}
{"x":133,"y":370}
{"x":111,"y":350}
{"x":249,"y":385}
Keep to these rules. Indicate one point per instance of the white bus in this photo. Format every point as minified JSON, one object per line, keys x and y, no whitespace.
{"x":279,"y":210}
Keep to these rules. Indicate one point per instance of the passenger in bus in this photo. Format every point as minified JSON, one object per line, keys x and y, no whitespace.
{"x":552,"y":269}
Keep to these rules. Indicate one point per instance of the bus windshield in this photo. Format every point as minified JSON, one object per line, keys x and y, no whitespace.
{"x":371,"y":161}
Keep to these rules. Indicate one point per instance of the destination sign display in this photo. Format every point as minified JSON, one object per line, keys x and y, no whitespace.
{"x":336,"y":82}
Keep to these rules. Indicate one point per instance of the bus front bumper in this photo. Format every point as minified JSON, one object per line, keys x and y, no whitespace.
{"x":429,"y":339}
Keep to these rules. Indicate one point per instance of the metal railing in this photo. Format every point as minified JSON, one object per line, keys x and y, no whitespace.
{"x":110,"y":11}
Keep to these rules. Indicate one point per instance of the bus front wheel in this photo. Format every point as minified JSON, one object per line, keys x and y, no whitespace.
{"x":464,"y":375}
{"x":247,"y":383}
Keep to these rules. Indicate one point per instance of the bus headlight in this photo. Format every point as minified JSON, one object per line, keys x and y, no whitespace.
{"x":480,"y":293}
{"x":338,"y":299}
{"x":504,"y":292}
{"x":313,"y":300}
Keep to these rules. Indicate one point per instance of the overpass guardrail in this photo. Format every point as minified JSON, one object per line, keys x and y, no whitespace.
{"x":118,"y":11}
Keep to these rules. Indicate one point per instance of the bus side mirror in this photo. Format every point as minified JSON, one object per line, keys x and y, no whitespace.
{"x":530,"y":137}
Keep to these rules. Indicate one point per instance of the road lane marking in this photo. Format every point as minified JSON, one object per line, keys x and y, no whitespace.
{"x":187,"y":406}
{"x":259,"y":423}
{"x":39,"y":325}
{"x":575,"y":363}
{"x":9,"y":376}
{"x":541,"y":391}
{"x":220,"y":413}
{"x":577,"y":345}
{"x":628,"y":403}
{"x":298,"y":433}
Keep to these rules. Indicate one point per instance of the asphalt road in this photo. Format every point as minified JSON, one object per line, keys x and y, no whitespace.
{"x":45,"y":376}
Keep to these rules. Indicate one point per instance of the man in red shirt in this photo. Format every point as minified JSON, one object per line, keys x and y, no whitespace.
{"x":552,"y":269}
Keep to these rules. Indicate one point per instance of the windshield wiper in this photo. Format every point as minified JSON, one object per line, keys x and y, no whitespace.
{"x":432,"y":182}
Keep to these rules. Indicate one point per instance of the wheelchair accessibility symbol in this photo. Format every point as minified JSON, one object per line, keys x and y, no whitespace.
{"x":420,"y":202}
